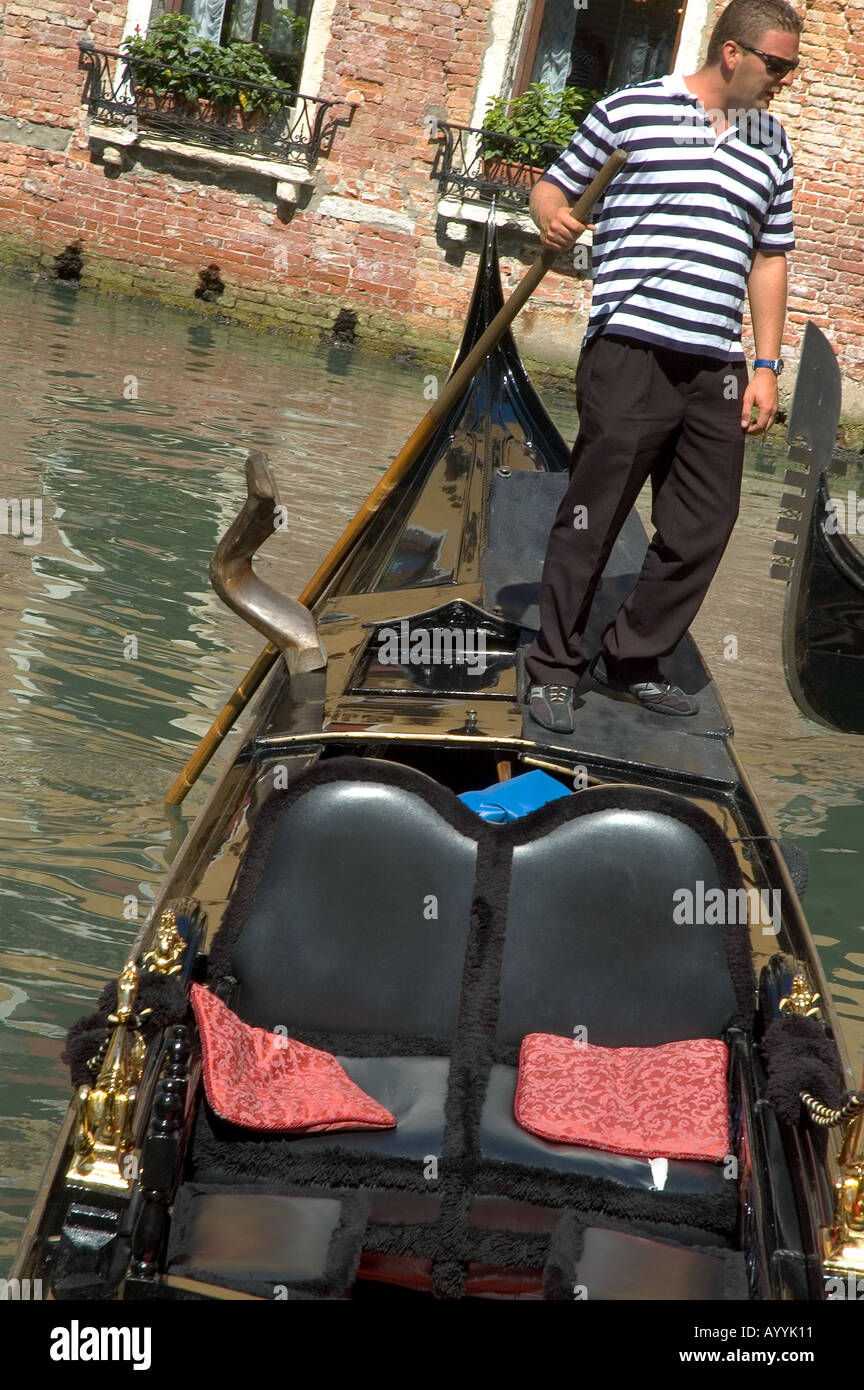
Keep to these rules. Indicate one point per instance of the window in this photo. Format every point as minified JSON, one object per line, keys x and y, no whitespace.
{"x":280,"y":28}
{"x":604,"y":46}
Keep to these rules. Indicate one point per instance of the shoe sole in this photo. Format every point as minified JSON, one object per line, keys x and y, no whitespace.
{"x":665,"y":710}
{"x":551,"y":728}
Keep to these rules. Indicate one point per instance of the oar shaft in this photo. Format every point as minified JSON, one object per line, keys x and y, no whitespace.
{"x":452,"y":390}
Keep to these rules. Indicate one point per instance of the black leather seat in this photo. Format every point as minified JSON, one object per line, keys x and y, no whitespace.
{"x":360,"y":919}
{"x":350,"y":930}
{"x":414,"y":1090}
{"x":505,"y":1141}
{"x":591,"y":943}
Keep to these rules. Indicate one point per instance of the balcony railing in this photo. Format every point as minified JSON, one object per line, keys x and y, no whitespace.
{"x":477,"y":164}
{"x":250,"y":119}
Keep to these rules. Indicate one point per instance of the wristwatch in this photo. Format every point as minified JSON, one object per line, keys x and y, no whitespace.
{"x":775,"y":363}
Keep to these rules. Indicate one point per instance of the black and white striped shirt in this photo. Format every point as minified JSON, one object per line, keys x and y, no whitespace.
{"x":678,"y":226}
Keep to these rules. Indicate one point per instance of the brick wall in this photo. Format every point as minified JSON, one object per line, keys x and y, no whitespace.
{"x":150,"y":228}
{"x":825,"y":119}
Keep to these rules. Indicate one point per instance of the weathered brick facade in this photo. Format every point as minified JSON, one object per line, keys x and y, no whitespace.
{"x":369,"y":238}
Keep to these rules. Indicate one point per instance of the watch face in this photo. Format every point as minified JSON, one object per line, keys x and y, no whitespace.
{"x":780,"y":365}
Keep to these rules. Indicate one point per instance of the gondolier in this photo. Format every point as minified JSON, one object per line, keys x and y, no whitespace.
{"x":701,"y":212}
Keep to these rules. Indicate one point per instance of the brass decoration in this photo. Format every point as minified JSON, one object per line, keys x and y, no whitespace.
{"x":166,"y":956}
{"x":845,"y":1246}
{"x":826,"y":1117}
{"x":801,"y":1000}
{"x":286,"y":623}
{"x":103,"y":1138}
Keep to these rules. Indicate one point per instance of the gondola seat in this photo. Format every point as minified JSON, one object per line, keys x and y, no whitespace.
{"x":379,"y":919}
{"x":414,"y":1090}
{"x":504,"y":1141}
{"x":604,"y":956}
{"x":359,"y":921}
{"x":348,"y":930}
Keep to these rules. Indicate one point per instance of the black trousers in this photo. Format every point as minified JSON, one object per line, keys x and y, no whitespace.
{"x":643,"y":411}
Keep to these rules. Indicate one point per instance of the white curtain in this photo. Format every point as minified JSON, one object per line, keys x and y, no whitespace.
{"x":552,"y":64}
{"x":243,"y":20}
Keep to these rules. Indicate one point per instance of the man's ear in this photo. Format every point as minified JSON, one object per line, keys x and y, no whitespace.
{"x":731,"y":54}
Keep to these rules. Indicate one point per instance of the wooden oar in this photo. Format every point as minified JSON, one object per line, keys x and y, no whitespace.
{"x":451,"y":392}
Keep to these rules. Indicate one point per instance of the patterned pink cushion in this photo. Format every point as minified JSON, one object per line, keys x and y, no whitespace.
{"x":265,"y":1081}
{"x":651,"y":1102}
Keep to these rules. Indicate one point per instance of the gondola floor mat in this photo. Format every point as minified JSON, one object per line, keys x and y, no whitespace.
{"x":618,"y":730}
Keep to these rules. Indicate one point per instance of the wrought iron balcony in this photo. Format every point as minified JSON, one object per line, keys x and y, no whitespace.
{"x":472,"y":163}
{"x":250,"y":119}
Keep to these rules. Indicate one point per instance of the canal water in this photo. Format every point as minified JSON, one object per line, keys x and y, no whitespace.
{"x":131,"y":423}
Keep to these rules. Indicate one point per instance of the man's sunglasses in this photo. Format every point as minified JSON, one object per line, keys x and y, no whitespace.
{"x":777,"y":67}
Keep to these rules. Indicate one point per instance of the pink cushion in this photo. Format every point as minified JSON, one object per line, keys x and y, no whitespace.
{"x":651,"y":1102}
{"x":265,"y":1081}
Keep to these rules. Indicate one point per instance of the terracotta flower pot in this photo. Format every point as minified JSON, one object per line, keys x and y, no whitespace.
{"x":510,"y":174}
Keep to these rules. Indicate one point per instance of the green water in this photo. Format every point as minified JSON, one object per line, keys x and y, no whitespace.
{"x":131,"y":424}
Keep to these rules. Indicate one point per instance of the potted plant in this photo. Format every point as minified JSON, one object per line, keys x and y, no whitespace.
{"x":159,"y":62}
{"x":535,"y":127}
{"x":233,"y":83}
{"x":240,"y":81}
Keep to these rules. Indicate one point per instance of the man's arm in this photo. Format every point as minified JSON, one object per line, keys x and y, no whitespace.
{"x":766,"y":290}
{"x":550,"y":209}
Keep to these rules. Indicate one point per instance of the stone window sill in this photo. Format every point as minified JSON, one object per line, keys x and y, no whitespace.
{"x":460,"y":216}
{"x":289,"y":179}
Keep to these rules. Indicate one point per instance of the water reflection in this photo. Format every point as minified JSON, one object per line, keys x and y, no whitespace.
{"x":132,"y":425}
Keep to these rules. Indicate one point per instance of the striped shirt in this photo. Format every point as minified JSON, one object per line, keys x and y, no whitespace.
{"x":678,"y":226}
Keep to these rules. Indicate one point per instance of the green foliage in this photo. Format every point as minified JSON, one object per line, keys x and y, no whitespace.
{"x":170,"y":61}
{"x":542,"y":120}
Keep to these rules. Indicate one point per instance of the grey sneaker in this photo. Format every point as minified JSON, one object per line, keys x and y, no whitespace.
{"x":552,"y":706}
{"x":659,"y":695}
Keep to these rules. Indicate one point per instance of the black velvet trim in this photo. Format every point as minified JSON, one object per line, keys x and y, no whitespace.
{"x":343,"y":1254}
{"x":800,"y":1056}
{"x":416,"y":1241}
{"x":508,"y":1249}
{"x":353,"y":769}
{"x":565,"y":1252}
{"x":469,"y":1066}
{"x":162,"y":995}
{"x":717,"y":1212}
{"x":736,"y":937}
{"x":567,"y":1244}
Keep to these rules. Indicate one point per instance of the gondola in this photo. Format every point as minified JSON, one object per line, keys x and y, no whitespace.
{"x":411,"y":926}
{"x":823,"y":626}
